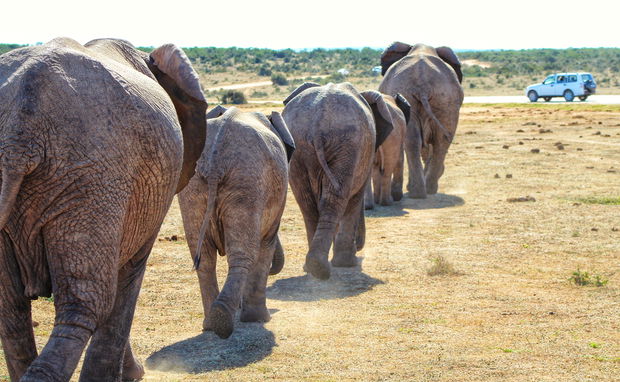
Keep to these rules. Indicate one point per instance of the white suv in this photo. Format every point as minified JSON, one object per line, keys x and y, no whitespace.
{"x":567,"y":85}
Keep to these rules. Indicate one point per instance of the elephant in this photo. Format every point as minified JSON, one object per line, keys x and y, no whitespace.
{"x":238,"y":194}
{"x":95,"y":140}
{"x":430,"y":79}
{"x":336,"y":131}
{"x":387,"y":170}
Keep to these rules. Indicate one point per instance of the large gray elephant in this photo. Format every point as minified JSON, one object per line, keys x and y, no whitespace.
{"x":336,"y":131}
{"x":94,"y":142}
{"x":385,"y":185}
{"x":430,"y":79}
{"x":233,"y":206}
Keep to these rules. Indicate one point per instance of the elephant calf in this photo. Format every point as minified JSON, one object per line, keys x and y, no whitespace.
{"x":238,"y":193}
{"x":387,"y":169}
{"x":336,"y":131}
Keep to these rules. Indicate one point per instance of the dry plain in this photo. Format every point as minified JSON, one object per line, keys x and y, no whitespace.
{"x":508,"y":311}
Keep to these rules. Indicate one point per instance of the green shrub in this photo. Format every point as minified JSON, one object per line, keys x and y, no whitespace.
{"x":585,"y":278}
{"x":279,"y":79}
{"x":233,"y":97}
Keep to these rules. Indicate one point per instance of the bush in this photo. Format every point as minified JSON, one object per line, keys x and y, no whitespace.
{"x":279,"y":79}
{"x":264,"y":71}
{"x":233,"y":97}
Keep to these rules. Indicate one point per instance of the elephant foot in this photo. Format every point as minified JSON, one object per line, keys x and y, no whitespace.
{"x":344,"y":261}
{"x":386,"y":202}
{"x":255,"y":314}
{"x":318,"y":268}
{"x":221,"y":320}
{"x":132,"y":369}
{"x":397,"y":195}
{"x":369,"y":206}
{"x":431,"y":187}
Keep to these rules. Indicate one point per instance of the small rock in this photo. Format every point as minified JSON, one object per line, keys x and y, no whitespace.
{"x":535,"y":151}
{"x":614,"y":229}
{"x":505,"y":146}
{"x":576,"y":204}
{"x":496,"y":176}
{"x":579,"y":149}
{"x":478,"y":147}
{"x":560,"y":147}
{"x":520,"y":142}
{"x":594,"y":229}
{"x":34,"y":324}
{"x":600,"y":123}
{"x":508,"y":176}
{"x":597,"y":133}
{"x":589,"y":167}
{"x":529,"y":124}
{"x":611,"y":170}
{"x":520,"y":131}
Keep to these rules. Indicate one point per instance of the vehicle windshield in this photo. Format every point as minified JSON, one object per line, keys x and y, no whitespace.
{"x":586,"y":77}
{"x":549,"y":80}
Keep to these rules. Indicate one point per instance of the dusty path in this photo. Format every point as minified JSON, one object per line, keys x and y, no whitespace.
{"x":507,"y":313}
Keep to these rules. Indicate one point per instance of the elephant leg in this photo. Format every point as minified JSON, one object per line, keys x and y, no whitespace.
{"x":241,"y":236}
{"x":376,"y":184}
{"x":302,"y":190}
{"x":109,"y":354}
{"x":435,"y":168}
{"x":344,"y":245}
{"x":15,"y":315}
{"x":385,"y":198}
{"x":397,"y":178}
{"x":85,"y":275}
{"x":369,"y":197}
{"x":360,"y":232}
{"x":413,"y":147}
{"x":254,"y":307}
{"x":193,"y":205}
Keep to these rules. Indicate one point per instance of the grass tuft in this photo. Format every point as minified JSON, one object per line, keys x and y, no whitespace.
{"x":605,"y":200}
{"x":441,"y":267}
{"x":585,"y":278}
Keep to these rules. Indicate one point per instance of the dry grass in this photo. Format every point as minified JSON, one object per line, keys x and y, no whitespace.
{"x":512,"y":315}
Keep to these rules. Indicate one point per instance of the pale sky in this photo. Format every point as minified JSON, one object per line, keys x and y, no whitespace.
{"x":279,"y":24}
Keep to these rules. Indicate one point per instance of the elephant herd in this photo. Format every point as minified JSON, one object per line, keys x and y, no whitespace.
{"x":96,"y":140}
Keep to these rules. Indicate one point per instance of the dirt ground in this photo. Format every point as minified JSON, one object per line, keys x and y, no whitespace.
{"x":508,"y":311}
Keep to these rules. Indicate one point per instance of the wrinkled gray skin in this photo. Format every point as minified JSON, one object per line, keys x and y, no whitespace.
{"x":386,"y":183}
{"x":91,"y":154}
{"x":239,"y":191}
{"x":336,"y":130}
{"x":430,"y":79}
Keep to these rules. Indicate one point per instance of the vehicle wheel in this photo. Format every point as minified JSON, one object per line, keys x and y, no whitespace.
{"x":583,"y":98}
{"x":533,"y":96}
{"x":569,"y":96}
{"x":547,"y":99}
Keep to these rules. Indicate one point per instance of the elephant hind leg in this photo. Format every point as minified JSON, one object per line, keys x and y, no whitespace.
{"x":345,"y":244}
{"x":16,"y":323}
{"x":254,"y":307}
{"x":397,"y":178}
{"x":109,"y":353}
{"x":241,"y":236}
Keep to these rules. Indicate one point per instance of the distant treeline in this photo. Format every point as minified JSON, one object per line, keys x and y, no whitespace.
{"x":506,"y":63}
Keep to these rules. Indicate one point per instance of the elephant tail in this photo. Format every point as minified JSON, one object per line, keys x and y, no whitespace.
{"x":278,"y":259}
{"x":381,"y":160}
{"x":320,"y":154}
{"x":423,"y":99}
{"x":11,"y":183}
{"x":211,"y":197}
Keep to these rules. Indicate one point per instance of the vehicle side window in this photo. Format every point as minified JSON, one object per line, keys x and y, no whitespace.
{"x":549,"y":80}
{"x":572,"y":78}
{"x":586,"y":78}
{"x":561,"y":79}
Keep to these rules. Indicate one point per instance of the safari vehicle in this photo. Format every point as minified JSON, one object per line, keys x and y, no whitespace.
{"x":567,"y":85}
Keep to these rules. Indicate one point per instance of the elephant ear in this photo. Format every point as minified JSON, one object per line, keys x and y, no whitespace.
{"x":301,"y":88}
{"x":451,"y":59}
{"x":285,"y":135}
{"x":404,"y":106}
{"x":175,"y":74}
{"x":383,"y":119}
{"x":393,"y":53}
{"x":216,"y":112}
